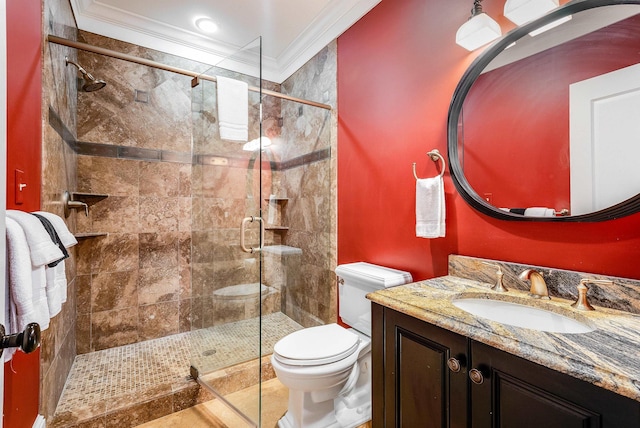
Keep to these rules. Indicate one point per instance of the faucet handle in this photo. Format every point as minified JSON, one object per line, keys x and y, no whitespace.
{"x":499,"y":285}
{"x":582,"y":303}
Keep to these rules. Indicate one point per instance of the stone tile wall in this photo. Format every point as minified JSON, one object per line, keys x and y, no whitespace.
{"x":310,"y":213}
{"x":226,"y":188}
{"x":58,"y":174}
{"x":173,"y":220}
{"x":134,"y":145}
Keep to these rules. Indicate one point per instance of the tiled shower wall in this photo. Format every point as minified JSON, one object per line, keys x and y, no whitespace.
{"x":308,"y":179}
{"x":143,"y":280}
{"x":58,"y":174}
{"x":226,"y":188}
{"x":134,"y":144}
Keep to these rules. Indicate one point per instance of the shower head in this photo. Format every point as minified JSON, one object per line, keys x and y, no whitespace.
{"x":90,"y":83}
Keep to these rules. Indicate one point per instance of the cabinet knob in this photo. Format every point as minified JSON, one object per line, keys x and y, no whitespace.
{"x":454,"y":364}
{"x":476,"y":376}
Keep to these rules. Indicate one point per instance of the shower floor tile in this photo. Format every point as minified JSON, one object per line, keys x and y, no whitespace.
{"x":108,"y":381}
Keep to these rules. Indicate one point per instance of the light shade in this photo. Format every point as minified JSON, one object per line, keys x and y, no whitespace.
{"x":479,"y":30}
{"x":522,"y":11}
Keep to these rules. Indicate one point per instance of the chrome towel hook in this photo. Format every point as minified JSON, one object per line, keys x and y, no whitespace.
{"x":435,"y":156}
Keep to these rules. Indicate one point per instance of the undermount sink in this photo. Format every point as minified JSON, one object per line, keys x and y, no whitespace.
{"x":521,"y":315}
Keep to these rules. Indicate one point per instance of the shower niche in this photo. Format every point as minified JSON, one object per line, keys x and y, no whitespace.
{"x":275,"y":215}
{"x":78,"y":204}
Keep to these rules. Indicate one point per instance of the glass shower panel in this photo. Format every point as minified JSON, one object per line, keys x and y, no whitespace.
{"x":226,"y":282}
{"x":243,"y":303}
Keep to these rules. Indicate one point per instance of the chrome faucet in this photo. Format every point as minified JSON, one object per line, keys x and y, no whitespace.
{"x":538,"y":286}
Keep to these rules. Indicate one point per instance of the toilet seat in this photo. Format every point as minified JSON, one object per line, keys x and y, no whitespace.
{"x":314,"y":346}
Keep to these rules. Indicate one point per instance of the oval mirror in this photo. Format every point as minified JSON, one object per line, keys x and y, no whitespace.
{"x":545,"y":124}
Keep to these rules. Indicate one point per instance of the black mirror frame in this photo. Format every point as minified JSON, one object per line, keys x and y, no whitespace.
{"x":627,"y":207}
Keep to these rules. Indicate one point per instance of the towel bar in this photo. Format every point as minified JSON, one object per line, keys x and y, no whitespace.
{"x":435,"y":156}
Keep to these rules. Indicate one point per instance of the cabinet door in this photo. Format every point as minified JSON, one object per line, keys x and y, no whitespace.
{"x":518,"y":393}
{"x":419,"y":389}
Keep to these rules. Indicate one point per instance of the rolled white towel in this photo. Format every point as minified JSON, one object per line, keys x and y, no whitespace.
{"x":539,"y":212}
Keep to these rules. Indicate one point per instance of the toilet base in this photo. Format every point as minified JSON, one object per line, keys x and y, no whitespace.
{"x":307,"y":409}
{"x":340,"y":416}
{"x":348,"y":418}
{"x":351,"y":417}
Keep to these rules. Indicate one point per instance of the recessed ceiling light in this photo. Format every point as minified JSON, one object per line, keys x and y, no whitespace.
{"x":206,"y":25}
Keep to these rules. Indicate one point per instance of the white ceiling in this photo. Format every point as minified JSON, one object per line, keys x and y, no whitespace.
{"x":292,"y":31}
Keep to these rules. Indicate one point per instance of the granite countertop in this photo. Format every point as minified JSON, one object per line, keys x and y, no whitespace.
{"x":607,"y":357}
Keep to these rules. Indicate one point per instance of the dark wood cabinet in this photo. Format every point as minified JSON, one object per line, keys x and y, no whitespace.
{"x":426,"y":376}
{"x":413,"y":385}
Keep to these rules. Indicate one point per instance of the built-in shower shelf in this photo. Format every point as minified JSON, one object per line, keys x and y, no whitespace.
{"x":88,"y":198}
{"x":90,"y":235}
{"x":281,"y":206}
{"x":276,"y":228}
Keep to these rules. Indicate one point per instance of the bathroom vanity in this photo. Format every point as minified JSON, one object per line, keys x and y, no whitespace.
{"x":435,"y":365}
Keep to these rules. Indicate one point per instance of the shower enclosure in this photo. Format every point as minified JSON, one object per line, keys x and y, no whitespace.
{"x":259,"y":242}
{"x":164,"y":285}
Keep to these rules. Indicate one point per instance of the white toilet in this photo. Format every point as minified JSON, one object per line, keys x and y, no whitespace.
{"x":328,"y":368}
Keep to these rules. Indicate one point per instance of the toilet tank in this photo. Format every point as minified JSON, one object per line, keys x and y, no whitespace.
{"x":358,"y":280}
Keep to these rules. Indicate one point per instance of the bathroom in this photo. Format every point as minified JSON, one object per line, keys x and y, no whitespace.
{"x":399,"y":49}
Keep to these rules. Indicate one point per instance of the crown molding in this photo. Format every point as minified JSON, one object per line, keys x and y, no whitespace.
{"x":335,"y":19}
{"x":338,"y":15}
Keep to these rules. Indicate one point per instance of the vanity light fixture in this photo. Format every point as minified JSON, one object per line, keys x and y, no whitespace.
{"x":522,"y":11}
{"x":206,"y":25}
{"x":479,"y":30}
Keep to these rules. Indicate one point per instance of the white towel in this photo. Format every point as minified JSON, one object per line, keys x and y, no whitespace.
{"x":28,"y":300}
{"x":56,"y":288}
{"x":56,"y":278}
{"x":66,"y":237}
{"x":41,"y":248}
{"x":430,"y":208}
{"x":539,"y":212}
{"x":233,"y":109}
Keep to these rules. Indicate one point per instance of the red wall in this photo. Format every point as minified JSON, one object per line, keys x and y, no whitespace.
{"x":24,"y":87}
{"x":397,"y":70}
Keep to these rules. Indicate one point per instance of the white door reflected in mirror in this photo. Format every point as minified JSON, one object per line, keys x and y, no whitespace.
{"x":604,"y":139}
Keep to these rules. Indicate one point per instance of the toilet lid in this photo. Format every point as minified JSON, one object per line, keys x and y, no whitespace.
{"x":324,"y":344}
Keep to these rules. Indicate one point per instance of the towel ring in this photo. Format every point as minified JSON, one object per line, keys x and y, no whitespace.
{"x":435,"y":156}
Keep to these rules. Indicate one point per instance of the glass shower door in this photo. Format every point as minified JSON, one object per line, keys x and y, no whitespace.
{"x":243,"y":302}
{"x":228,"y":290}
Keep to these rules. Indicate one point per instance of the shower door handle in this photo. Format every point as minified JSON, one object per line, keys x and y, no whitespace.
{"x":243,"y":228}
